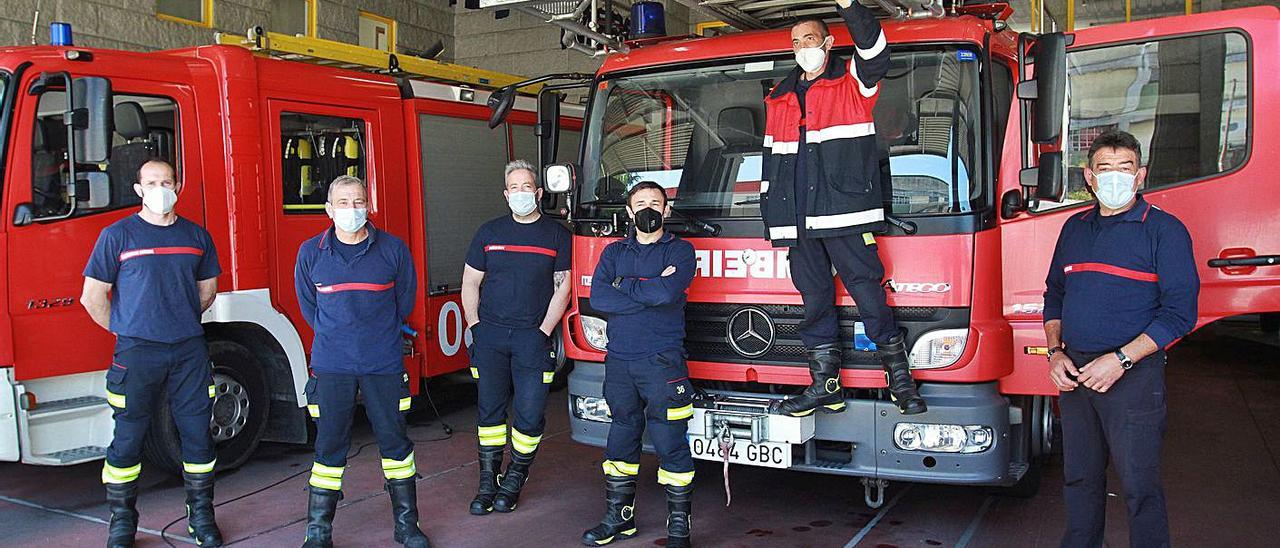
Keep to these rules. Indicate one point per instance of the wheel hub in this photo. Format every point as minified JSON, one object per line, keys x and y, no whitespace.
{"x":230,"y":408}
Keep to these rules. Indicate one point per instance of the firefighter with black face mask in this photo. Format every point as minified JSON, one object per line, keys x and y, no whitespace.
{"x":640,"y":284}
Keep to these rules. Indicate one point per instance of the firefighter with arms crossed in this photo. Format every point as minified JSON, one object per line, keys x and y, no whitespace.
{"x":640,"y":283}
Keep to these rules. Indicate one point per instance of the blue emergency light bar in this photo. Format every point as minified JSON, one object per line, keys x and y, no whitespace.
{"x":647,"y":20}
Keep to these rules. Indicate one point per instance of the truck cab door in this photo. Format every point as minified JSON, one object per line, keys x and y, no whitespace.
{"x":1191,"y":89}
{"x":49,"y":240}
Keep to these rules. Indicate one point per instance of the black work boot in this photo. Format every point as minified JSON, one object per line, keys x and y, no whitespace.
{"x":619,"y":515}
{"x":321,"y":506}
{"x":490,"y":464}
{"x":897,"y":372}
{"x":824,"y":367}
{"x":122,"y":499}
{"x":510,"y":483}
{"x":200,"y":522}
{"x":404,"y":507}
{"x":679,"y":515}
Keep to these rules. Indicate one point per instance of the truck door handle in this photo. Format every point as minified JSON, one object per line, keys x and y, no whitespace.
{"x":1259,"y":260}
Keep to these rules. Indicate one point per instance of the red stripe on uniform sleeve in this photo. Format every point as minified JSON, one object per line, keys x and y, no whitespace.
{"x":1112,"y":270}
{"x":521,"y":249}
{"x":354,"y":286}
{"x":134,"y":253}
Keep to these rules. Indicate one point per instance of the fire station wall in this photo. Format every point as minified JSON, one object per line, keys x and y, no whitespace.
{"x":133,"y":25}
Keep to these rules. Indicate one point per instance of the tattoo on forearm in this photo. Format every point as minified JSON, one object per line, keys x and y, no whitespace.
{"x":560,"y":277}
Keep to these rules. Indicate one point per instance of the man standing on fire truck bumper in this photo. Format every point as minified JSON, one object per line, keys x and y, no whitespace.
{"x":514,"y":292}
{"x":1121,"y":288}
{"x":640,"y":283}
{"x":822,"y":197}
{"x":356,"y":285}
{"x":148,"y":280}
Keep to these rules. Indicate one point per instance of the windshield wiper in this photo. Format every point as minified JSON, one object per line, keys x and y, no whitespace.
{"x":695,"y":225}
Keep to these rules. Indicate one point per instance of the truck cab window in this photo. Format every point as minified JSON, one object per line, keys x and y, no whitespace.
{"x":145,"y":128}
{"x":317,"y":149}
{"x":1185,"y":99}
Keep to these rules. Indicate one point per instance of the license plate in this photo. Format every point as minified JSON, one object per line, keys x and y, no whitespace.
{"x":767,"y":454}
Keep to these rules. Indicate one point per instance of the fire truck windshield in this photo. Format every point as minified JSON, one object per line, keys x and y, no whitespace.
{"x":4,"y":116}
{"x":698,"y":132}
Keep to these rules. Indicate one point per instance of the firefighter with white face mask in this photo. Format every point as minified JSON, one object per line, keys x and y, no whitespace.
{"x":514,"y":292}
{"x":148,"y":280}
{"x":822,"y":198}
{"x":356,"y":286}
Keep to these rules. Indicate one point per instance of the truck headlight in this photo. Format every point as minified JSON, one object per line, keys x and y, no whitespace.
{"x":594,"y":329}
{"x":942,"y":438}
{"x":591,"y":409}
{"x":938,"y":348}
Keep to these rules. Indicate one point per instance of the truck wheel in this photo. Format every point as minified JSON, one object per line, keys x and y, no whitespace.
{"x":1041,"y":428}
{"x":563,"y":365}
{"x":1027,"y":487}
{"x":240,"y":405}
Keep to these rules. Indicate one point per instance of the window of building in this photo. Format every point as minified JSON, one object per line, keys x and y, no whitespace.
{"x":191,"y":12}
{"x":377,"y":32}
{"x":317,"y":149}
{"x":293,"y":17}
{"x":146,"y":127}
{"x":1185,"y":99}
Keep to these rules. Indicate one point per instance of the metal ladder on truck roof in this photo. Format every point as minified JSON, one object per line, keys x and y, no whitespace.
{"x":330,"y":53}
{"x":765,"y":14}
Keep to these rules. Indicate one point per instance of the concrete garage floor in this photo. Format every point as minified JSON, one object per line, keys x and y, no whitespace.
{"x":1221,"y":473}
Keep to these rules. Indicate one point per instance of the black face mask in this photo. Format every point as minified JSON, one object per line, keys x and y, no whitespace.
{"x":648,"y":220}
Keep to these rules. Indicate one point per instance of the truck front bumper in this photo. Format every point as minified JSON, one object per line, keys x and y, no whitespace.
{"x":861,"y":440}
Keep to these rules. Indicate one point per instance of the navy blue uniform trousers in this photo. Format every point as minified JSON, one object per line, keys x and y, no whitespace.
{"x":512,"y":367}
{"x":653,"y":393}
{"x":139,"y":374}
{"x":331,"y":401}
{"x":857,"y":261}
{"x":1127,"y":422}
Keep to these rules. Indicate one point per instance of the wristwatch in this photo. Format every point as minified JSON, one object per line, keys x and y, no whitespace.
{"x":617,"y":283}
{"x":1049,"y":353}
{"x":1125,"y":362}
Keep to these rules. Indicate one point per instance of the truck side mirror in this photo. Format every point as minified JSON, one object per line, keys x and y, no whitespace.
{"x":559,"y":178}
{"x":548,"y":130}
{"x":1051,"y":86}
{"x":92,"y":116}
{"x":1049,"y":177}
{"x":500,"y":103}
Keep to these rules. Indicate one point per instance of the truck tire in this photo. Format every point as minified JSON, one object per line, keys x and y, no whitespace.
{"x":240,"y":408}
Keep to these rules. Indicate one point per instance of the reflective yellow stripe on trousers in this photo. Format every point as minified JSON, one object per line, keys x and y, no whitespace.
{"x":111,"y":474}
{"x":491,"y":436}
{"x":199,"y":468}
{"x":620,"y":469}
{"x":399,"y":469}
{"x":674,"y":478}
{"x":524,"y":443}
{"x":327,"y":477}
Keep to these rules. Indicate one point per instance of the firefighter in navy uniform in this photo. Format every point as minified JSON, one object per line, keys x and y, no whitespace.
{"x":150,"y":277}
{"x":822,"y":198}
{"x":640,"y":283}
{"x":1121,"y":288}
{"x":356,"y":285}
{"x":514,"y":292}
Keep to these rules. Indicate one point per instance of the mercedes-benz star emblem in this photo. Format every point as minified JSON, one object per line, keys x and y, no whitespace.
{"x":750,"y":332}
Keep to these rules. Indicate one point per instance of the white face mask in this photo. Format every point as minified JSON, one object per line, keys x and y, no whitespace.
{"x":522,"y":203}
{"x":1115,"y":188}
{"x":350,"y":219}
{"x":159,"y":200}
{"x":812,"y":59}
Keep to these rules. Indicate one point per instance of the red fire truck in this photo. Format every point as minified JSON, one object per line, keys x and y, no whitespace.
{"x":255,"y":140}
{"x":985,"y":155}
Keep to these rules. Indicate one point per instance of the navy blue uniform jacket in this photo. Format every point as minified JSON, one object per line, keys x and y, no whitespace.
{"x":646,"y":310}
{"x":356,"y":308}
{"x":1114,"y":278}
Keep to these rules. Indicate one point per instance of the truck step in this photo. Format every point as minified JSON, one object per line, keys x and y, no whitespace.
{"x":73,"y":456}
{"x":60,"y":407}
